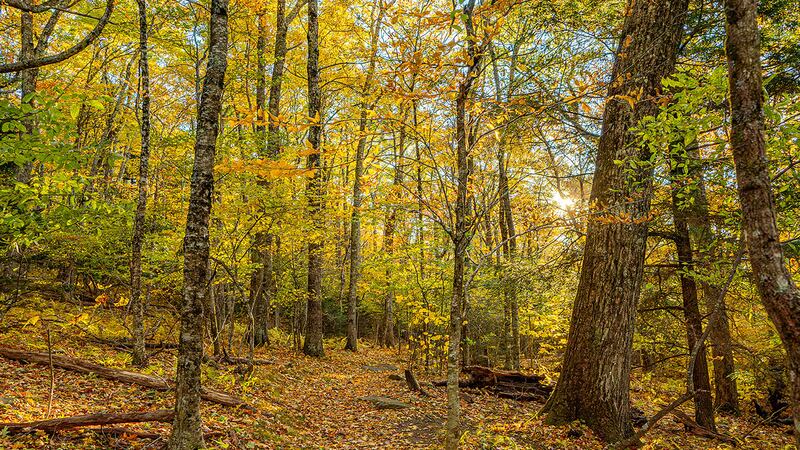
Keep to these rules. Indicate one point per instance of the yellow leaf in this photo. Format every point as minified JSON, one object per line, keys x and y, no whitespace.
{"x":32,"y":321}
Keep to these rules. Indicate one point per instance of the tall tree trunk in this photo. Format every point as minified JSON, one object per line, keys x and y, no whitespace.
{"x":355,"y":218}
{"x":461,"y":235}
{"x":313,"y":341}
{"x":387,"y":320}
{"x":28,"y":85}
{"x":703,"y":404}
{"x":137,"y":304}
{"x":594,"y":381}
{"x":261,"y":253}
{"x":507,"y":230}
{"x":355,"y":238}
{"x":187,"y":433}
{"x":779,"y":294}
{"x":510,"y":251}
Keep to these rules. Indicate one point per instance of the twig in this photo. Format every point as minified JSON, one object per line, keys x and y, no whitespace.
{"x":52,"y":374}
{"x":762,"y":422}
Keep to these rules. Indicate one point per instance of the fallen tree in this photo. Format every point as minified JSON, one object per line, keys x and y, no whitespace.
{"x":505,"y":384}
{"x":65,"y":423}
{"x":508,"y":384}
{"x":124,"y":376}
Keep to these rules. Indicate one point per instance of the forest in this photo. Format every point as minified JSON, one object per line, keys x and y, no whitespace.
{"x":364,"y":224}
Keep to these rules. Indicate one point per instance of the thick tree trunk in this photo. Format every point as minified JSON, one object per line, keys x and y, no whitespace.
{"x":187,"y":433}
{"x":137,"y":303}
{"x":779,"y":294}
{"x":594,"y":381}
{"x":703,"y":404}
{"x":313,"y":342}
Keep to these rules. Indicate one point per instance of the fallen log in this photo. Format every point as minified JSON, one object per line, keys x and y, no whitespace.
{"x":65,"y":423}
{"x":507,"y":384}
{"x":124,"y":376}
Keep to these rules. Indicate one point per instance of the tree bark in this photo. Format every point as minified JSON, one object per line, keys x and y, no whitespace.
{"x":594,"y":382}
{"x":779,"y":294}
{"x":187,"y":433}
{"x":461,"y":234}
{"x":726,"y":395}
{"x":137,"y":303}
{"x":262,"y":252}
{"x":27,"y":86}
{"x":313,"y":342}
{"x":703,"y":404}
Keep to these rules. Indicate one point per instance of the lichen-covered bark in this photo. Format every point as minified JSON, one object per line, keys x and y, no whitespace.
{"x":187,"y":433}
{"x":313,"y":342}
{"x":137,"y":304}
{"x":779,"y":294}
{"x":595,"y":376}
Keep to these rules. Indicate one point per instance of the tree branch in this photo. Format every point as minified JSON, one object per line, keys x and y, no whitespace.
{"x":58,"y":57}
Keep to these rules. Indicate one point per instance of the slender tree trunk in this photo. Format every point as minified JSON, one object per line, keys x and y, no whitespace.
{"x":137,"y":304}
{"x":703,"y":404}
{"x":313,"y":342}
{"x":387,"y":338}
{"x":355,"y":219}
{"x":779,"y":294}
{"x":187,"y":432}
{"x":261,"y":252}
{"x":726,"y":395}
{"x":355,"y":237}
{"x":594,"y":381}
{"x":509,"y":288}
{"x":507,"y":230}
{"x":461,"y":235}
{"x":27,"y":85}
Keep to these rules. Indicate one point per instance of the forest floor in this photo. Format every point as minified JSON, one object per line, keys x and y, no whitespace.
{"x":308,"y":403}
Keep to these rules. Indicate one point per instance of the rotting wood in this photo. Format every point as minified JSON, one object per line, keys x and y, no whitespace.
{"x":125,"y":376}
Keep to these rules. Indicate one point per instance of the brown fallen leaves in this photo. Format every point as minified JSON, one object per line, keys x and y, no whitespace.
{"x":309,"y":403}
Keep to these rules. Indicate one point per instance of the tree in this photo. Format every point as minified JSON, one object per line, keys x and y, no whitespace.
{"x":361,"y":147}
{"x":779,"y":294}
{"x":593,"y":383}
{"x":682,"y":169}
{"x":461,"y":234}
{"x":314,"y":189}
{"x":187,"y":433}
{"x":137,"y":304}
